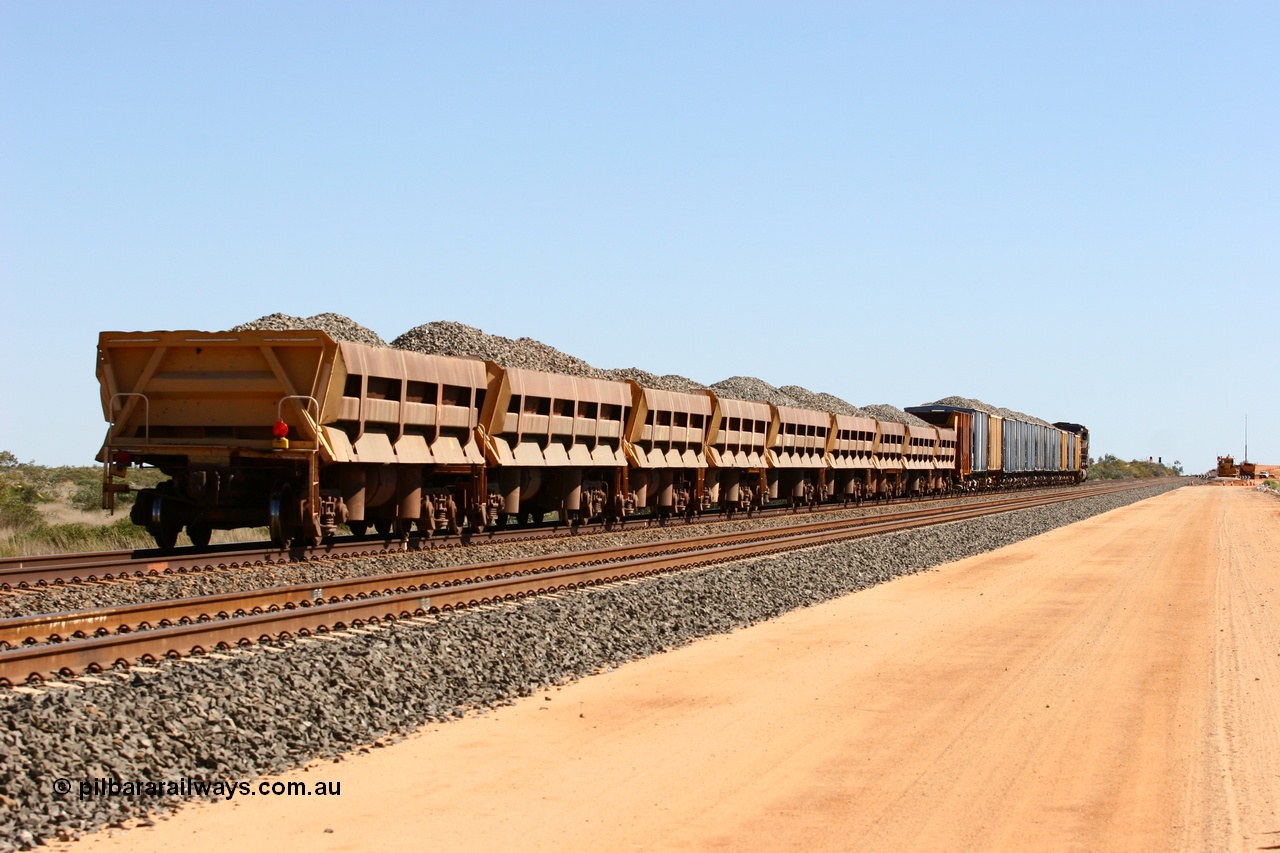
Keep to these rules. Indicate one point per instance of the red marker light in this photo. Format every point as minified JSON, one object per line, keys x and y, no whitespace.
{"x":122,"y":457}
{"x":280,"y":429}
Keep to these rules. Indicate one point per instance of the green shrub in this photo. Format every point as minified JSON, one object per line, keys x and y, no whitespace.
{"x":18,"y":501}
{"x":1110,"y":467}
{"x":88,"y":496}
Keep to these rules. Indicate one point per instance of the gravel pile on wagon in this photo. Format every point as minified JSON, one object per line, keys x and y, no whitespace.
{"x":1022,"y":416}
{"x":965,"y":403}
{"x":445,"y":337}
{"x":338,"y":327}
{"x":885,"y":412}
{"x":259,"y":711}
{"x":751,"y":388}
{"x":822,"y":401}
{"x":669,"y":382}
{"x":978,"y":405}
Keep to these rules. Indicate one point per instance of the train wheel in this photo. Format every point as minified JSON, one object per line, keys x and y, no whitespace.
{"x":161,"y":525}
{"x":199,"y":535}
{"x":383,"y":526}
{"x":281,"y":532}
{"x":166,"y":541}
{"x":358,"y":528}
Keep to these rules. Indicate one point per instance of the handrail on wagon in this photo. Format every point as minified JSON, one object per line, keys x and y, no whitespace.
{"x":311,"y":401}
{"x":146,"y":407}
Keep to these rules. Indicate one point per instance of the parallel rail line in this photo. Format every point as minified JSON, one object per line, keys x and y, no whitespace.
{"x":56,"y":627}
{"x":25,"y":572}
{"x":302,"y":610}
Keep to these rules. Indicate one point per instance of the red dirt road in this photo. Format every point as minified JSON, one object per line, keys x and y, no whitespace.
{"x":1113,"y":685}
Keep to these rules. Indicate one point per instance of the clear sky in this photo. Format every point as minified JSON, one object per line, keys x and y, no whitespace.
{"x":1072,"y":210}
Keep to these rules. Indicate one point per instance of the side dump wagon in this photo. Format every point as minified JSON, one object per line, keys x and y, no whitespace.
{"x":228,"y":416}
{"x":291,"y":431}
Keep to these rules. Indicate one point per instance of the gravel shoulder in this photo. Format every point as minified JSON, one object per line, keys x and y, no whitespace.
{"x":271,"y":708}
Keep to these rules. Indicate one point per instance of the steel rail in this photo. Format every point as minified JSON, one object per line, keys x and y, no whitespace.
{"x":57,"y":627}
{"x":67,"y":658}
{"x":57,"y":569}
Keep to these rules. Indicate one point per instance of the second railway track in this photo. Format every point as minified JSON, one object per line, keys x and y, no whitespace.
{"x":93,"y":640}
{"x":44,"y":570}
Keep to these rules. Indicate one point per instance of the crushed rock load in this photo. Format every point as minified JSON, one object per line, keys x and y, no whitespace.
{"x":822,"y":401}
{"x":751,"y":388}
{"x":444,"y":337}
{"x":885,"y":412}
{"x":965,"y":403}
{"x":668,"y":382}
{"x":1021,"y":416}
{"x":978,"y":405}
{"x":338,"y":327}
{"x":253,"y":712}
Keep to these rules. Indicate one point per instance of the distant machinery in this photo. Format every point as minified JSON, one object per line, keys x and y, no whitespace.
{"x":1227,"y":467}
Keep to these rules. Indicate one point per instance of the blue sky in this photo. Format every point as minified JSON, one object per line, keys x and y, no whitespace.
{"x":1070,"y":210}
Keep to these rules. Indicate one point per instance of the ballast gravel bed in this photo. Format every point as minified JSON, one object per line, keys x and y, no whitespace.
{"x":266,"y":710}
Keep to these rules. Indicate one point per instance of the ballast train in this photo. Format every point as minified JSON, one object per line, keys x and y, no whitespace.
{"x":299,"y":433}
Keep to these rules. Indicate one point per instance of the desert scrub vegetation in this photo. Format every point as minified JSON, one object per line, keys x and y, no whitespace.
{"x":46,"y":510}
{"x":58,"y":510}
{"x":1110,"y":467}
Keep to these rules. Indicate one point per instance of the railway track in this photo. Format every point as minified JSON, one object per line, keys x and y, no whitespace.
{"x":69,"y":643}
{"x":26,"y":572}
